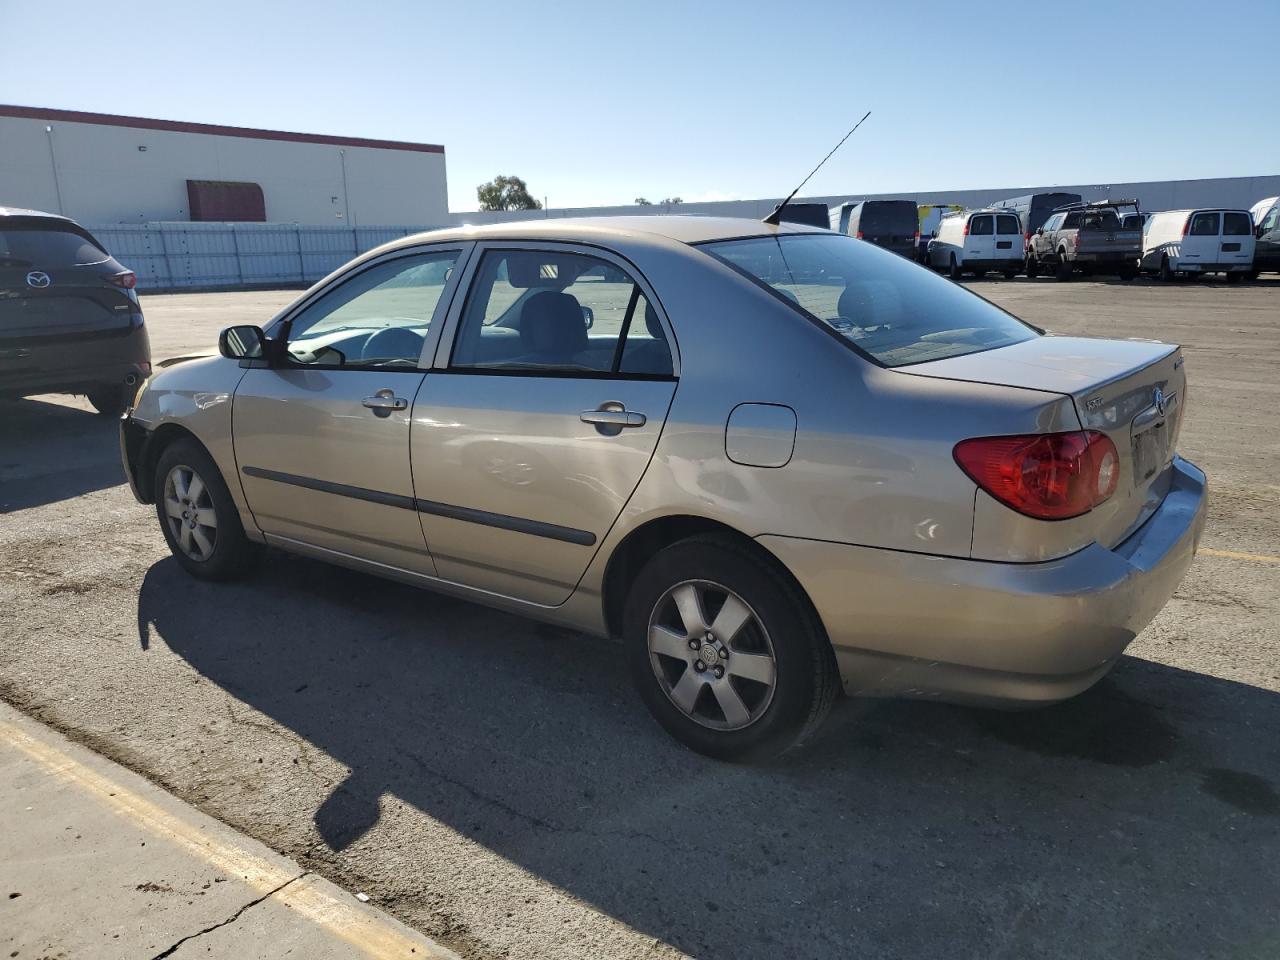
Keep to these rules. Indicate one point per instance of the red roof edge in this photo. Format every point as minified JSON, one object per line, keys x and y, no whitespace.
{"x":212,"y":129}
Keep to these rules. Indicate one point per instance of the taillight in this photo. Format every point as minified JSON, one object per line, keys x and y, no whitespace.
{"x":1050,"y":476}
{"x":966,"y":230}
{"x":1186,"y":225}
{"x":858,"y":235}
{"x":917,"y":236}
{"x":1026,"y":237}
{"x":125,"y":281}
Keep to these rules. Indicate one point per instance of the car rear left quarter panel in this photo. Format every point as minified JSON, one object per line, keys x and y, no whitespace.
{"x":197,"y":396}
{"x":872,"y":461}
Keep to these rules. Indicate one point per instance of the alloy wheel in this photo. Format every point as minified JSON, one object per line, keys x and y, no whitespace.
{"x":711,"y":655}
{"x":190,"y":513}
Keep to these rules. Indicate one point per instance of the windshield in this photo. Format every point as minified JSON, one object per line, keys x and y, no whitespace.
{"x":886,"y":307}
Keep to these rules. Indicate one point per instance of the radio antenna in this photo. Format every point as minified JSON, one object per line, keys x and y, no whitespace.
{"x":775,"y":218}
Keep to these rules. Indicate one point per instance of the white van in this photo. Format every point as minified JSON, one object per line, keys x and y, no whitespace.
{"x":975,"y":241}
{"x":1190,"y":242}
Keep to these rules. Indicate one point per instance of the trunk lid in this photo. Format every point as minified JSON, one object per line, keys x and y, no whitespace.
{"x":1102,"y":241}
{"x":1113,"y":385}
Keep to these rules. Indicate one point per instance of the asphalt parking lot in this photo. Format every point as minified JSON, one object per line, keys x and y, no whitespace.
{"x":496,"y":784}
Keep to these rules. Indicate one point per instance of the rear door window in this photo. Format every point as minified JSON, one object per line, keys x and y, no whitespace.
{"x":1236,"y":224}
{"x":981,"y":226}
{"x":1204,"y":225}
{"x":42,"y":247}
{"x":1007,"y":225}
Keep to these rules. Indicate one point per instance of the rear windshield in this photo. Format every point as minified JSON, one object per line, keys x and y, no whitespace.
{"x":1007,"y":224}
{"x":1100,"y":220}
{"x":888,"y":217}
{"x":43,"y":247}
{"x":886,"y":307}
{"x":1236,"y":224}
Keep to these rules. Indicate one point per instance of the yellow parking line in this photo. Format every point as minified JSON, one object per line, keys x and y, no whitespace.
{"x":362,"y":928}
{"x":1235,"y":555}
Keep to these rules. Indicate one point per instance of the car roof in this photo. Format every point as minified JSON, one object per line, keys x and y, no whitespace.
{"x":683,"y":229}
{"x":24,"y":212}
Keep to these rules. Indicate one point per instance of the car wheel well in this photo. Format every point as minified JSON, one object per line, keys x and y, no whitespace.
{"x":641,"y":544}
{"x":160,"y":439}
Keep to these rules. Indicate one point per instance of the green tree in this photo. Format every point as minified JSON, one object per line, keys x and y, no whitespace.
{"x":671,"y":200}
{"x":506,"y":193}
{"x":642,"y":202}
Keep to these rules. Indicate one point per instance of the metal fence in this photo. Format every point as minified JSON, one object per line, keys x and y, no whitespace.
{"x":202,"y":256}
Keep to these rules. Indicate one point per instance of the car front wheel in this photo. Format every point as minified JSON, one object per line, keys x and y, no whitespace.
{"x":198,"y":516}
{"x":726,"y":652}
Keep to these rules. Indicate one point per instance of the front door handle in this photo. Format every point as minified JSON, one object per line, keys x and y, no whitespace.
{"x":384,"y":401}
{"x":611,"y":417}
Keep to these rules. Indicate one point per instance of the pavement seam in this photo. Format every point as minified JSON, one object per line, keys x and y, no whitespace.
{"x":231,"y":919}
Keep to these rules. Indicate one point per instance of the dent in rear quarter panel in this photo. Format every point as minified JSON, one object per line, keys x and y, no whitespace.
{"x":197,"y":396}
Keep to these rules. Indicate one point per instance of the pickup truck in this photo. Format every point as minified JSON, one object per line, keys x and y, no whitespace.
{"x":1089,"y":238}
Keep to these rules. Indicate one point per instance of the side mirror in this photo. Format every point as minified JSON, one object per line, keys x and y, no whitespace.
{"x":588,"y":317}
{"x":242,"y":343}
{"x":1039,"y":231}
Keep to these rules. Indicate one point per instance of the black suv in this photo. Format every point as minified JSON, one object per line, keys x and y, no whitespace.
{"x":69,"y":317}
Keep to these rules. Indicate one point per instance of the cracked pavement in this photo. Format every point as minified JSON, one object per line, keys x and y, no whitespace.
{"x":496,"y":784}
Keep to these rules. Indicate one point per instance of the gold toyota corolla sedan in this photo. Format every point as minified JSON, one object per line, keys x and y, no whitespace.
{"x":772,"y":460}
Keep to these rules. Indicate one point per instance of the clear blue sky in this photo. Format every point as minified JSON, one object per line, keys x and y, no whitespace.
{"x":600,"y":102}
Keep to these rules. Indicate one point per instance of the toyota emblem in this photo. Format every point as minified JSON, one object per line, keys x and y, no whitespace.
{"x":1161,"y":402}
{"x":38,"y":279}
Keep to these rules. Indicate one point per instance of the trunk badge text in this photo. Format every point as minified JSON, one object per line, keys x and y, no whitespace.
{"x":38,"y":279}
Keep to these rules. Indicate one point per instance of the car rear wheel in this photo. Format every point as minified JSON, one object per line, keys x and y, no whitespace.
{"x":953,"y":270}
{"x":1234,"y":277}
{"x":198,"y":516}
{"x":1166,"y":274}
{"x":1065,"y":268}
{"x":1253,"y":275}
{"x":1128,"y":273}
{"x":1033,"y":266}
{"x":726,"y":652}
{"x":1010,"y":274}
{"x":109,"y":400}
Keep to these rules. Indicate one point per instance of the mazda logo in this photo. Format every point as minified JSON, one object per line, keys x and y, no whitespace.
{"x":38,"y":279}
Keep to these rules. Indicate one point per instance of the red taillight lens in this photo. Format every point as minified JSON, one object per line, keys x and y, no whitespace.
{"x":125,"y":281}
{"x":858,"y":235}
{"x":1051,"y":476}
{"x":917,"y":236}
{"x":966,"y":230}
{"x":1186,"y":225}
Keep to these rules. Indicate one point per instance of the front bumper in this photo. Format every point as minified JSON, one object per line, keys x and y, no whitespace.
{"x":905,"y":624}
{"x":133,"y":443}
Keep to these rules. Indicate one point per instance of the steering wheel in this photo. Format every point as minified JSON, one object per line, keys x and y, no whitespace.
{"x":393,"y":343}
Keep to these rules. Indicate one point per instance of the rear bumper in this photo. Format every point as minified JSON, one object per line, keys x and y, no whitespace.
{"x":72,"y":364}
{"x":1215,"y":267}
{"x":1119,"y":258}
{"x":1012,"y":262}
{"x":906,"y":624}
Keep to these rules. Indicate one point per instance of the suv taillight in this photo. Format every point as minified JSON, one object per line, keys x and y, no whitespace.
{"x":858,"y":235}
{"x":1050,"y":476}
{"x":125,"y":281}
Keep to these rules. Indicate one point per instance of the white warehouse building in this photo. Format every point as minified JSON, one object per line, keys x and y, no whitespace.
{"x":103,"y":169}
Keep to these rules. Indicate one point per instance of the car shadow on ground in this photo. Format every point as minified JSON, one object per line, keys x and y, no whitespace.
{"x":1140,"y":819}
{"x":51,"y":452}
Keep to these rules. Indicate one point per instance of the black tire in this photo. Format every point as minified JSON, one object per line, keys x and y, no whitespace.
{"x":1166,"y":274}
{"x":1234,"y":277}
{"x":1032,"y":266}
{"x":1253,"y":275}
{"x":806,"y":681}
{"x":109,"y":399}
{"x":954,"y":271}
{"x":1010,"y":274}
{"x":1065,"y":269}
{"x":1129,"y":274}
{"x":232,"y":554}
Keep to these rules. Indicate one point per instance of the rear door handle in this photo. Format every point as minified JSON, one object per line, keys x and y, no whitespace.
{"x":613,"y":418}
{"x":384,"y":401}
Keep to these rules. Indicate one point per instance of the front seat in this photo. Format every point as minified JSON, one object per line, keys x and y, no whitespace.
{"x":552,"y":330}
